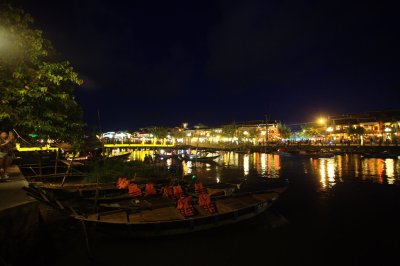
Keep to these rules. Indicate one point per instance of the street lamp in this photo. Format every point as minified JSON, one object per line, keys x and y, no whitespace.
{"x":321,"y":121}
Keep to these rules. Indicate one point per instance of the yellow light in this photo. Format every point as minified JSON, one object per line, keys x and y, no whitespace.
{"x":321,"y":120}
{"x":329,"y":129}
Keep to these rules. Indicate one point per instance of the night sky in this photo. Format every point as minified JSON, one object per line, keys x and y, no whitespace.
{"x":163,"y":62}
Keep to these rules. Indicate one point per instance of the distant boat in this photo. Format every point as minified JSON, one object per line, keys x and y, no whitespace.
{"x":381,"y":155}
{"x":118,"y":157}
{"x":199,"y":158}
{"x":303,"y":154}
{"x":84,"y":160}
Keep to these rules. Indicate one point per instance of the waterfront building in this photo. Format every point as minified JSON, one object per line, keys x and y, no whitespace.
{"x":379,"y":126}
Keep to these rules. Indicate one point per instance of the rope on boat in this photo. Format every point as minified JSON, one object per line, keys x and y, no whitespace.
{"x":19,"y":136}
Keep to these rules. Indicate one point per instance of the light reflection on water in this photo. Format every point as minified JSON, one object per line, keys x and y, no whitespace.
{"x":333,"y":170}
{"x":328,"y":171}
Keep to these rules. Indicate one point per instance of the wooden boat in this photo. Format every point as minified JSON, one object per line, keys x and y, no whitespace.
{"x":380,"y":155}
{"x":102,"y":191}
{"x":119,"y":157}
{"x":86,"y":160}
{"x":195,"y":158}
{"x":159,"y":217}
{"x":165,"y":219}
{"x":304,"y":154}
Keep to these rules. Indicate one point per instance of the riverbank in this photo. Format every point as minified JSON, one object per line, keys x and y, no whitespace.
{"x":19,"y":217}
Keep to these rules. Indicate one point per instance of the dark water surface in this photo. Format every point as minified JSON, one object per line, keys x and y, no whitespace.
{"x":336,"y":211}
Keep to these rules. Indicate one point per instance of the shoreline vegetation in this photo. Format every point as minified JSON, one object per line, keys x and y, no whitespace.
{"x":105,"y":172}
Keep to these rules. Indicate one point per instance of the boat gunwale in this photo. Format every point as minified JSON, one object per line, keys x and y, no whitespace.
{"x":249,"y":209}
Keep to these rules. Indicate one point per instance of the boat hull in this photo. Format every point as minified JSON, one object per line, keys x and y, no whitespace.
{"x":129,"y":228}
{"x":175,"y":228}
{"x":380,"y":155}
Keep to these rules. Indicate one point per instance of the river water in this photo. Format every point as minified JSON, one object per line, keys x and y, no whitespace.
{"x":336,"y":211}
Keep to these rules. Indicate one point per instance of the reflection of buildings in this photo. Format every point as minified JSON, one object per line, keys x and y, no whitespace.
{"x":326,"y":171}
{"x":267,"y":165}
{"x":333,"y":170}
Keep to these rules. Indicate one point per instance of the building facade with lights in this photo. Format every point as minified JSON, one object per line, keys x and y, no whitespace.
{"x":375,"y":126}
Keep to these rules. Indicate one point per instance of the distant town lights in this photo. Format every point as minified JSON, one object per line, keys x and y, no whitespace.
{"x":329,"y":129}
{"x":388,"y":129}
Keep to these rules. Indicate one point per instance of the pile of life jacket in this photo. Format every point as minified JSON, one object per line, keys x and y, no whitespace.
{"x":177,"y":192}
{"x":198,"y":188}
{"x":134,"y":190}
{"x":122,"y":183}
{"x":167,"y":192}
{"x":206,"y":203}
{"x":149,"y":190}
{"x":185,"y":206}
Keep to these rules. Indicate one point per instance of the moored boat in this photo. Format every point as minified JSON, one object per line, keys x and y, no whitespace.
{"x":304,"y":154}
{"x":199,"y":158}
{"x":167,"y":220}
{"x":380,"y":155}
{"x":158,"y":216}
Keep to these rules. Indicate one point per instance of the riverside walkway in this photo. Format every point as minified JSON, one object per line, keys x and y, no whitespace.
{"x":11,"y":190}
{"x":19,"y":216}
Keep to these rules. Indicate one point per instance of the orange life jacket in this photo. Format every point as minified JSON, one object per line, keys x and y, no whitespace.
{"x":167,"y":191}
{"x":122,"y":183}
{"x":150,"y":190}
{"x":206,"y":203}
{"x":185,"y":206}
{"x":134,"y":190}
{"x":198,"y":188}
{"x":177,"y":191}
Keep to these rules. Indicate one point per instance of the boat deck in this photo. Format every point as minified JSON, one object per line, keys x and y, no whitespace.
{"x":168,"y":213}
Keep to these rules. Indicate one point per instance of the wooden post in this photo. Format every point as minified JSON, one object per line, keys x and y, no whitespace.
{"x":68,"y":170}
{"x":40,"y":162}
{"x":56,"y":164}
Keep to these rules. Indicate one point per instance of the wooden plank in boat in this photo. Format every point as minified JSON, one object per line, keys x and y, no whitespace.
{"x":158,"y":202}
{"x":201,"y":211}
{"x":230,"y":204}
{"x":249,"y":200}
{"x":119,"y":217}
{"x":67,"y":162}
{"x":161,"y":214}
{"x":215,"y":191}
{"x":265,"y":196}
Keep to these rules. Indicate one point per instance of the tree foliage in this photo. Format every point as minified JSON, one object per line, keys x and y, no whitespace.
{"x":36,"y":92}
{"x":284,"y":131}
{"x":178,"y":134}
{"x":312,"y":131}
{"x":359,"y":131}
{"x":159,"y":132}
{"x":229,"y":130}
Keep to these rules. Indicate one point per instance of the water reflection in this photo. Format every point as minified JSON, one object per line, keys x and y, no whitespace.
{"x":389,"y":167}
{"x":328,"y":171}
{"x":265,"y":165}
{"x":338,"y":169}
{"x":246,"y":164}
{"x":326,"y":168}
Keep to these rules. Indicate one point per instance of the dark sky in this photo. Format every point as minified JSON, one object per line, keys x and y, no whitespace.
{"x":165,"y":62}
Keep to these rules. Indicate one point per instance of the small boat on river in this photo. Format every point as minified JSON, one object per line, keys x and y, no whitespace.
{"x":200,"y":158}
{"x":304,"y":154}
{"x":380,"y":155}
